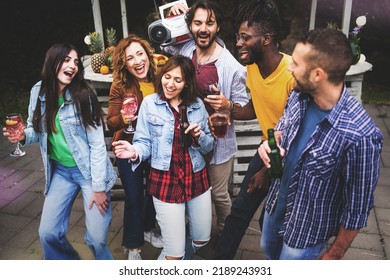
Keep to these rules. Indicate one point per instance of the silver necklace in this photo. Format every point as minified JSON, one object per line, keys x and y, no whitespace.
{"x":200,"y":66}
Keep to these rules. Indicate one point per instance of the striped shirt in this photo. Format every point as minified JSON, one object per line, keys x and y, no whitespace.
{"x":335,"y":177}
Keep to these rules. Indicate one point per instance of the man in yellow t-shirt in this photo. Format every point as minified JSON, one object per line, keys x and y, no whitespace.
{"x":269,"y":94}
{"x":269,"y":83}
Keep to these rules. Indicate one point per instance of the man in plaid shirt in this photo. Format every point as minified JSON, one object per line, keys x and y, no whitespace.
{"x":331,"y":154}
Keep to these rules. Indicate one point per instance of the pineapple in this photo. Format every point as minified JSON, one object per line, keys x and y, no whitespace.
{"x":111,"y":43}
{"x":96,"y":47}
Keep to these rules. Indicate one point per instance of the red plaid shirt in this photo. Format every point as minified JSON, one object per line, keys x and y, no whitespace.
{"x":179,"y":184}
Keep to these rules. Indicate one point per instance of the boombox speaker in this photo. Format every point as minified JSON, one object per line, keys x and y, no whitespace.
{"x":171,"y":30}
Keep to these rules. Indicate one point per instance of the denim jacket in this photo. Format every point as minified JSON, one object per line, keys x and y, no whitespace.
{"x":155,"y":129}
{"x":87,"y":146}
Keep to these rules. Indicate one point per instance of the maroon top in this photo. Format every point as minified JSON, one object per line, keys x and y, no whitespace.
{"x":205,"y":75}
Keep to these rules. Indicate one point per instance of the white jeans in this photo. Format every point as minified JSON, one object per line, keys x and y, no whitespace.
{"x":172,"y":220}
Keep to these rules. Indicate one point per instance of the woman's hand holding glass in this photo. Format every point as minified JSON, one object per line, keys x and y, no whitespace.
{"x":128,"y":118}
{"x":14,"y":130}
{"x":129,"y":108}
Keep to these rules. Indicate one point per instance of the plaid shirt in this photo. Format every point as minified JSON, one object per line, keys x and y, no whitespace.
{"x":179,"y":184}
{"x":335,"y":177}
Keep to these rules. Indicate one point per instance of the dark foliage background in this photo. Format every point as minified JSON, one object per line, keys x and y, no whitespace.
{"x":28,"y":28}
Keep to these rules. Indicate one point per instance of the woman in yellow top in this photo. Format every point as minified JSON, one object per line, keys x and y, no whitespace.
{"x":133,"y":73}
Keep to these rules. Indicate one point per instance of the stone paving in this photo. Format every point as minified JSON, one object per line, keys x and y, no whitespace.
{"x":21,"y":199}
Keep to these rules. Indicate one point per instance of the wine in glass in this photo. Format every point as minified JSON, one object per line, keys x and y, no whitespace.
{"x":219,"y":121}
{"x":213,"y":89}
{"x":129,"y":106}
{"x":15,"y":127}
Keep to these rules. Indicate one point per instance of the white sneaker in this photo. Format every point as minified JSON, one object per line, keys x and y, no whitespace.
{"x":154,"y":238}
{"x":134,"y":255}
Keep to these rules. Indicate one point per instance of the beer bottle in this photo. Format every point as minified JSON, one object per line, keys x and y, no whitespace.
{"x":185,"y":139}
{"x":275,"y":159}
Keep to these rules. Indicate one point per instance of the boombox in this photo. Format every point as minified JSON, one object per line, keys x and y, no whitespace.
{"x":170,"y":30}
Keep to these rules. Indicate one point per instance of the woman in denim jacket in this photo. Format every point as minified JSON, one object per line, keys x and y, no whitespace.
{"x":178,"y":177}
{"x":64,"y":116}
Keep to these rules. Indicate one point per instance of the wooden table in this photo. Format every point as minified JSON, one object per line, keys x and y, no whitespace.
{"x":96,"y":80}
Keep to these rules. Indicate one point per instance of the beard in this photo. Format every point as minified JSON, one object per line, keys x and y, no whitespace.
{"x":303,"y":85}
{"x":297,"y":85}
{"x":254,"y":55}
{"x":201,"y":36}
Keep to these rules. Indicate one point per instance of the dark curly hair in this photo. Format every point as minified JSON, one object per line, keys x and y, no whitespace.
{"x":261,"y":13}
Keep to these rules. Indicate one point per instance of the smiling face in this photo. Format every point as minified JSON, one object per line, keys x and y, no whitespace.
{"x":173,"y":84}
{"x":137,"y":61}
{"x":204,"y":28}
{"x":68,"y":70}
{"x":249,"y":43}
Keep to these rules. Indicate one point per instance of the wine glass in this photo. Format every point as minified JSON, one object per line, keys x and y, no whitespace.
{"x":15,"y":126}
{"x":129,"y":106}
{"x":219,"y":121}
{"x":213,"y":89}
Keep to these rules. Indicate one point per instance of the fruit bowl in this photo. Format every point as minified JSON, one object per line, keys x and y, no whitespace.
{"x":159,"y":59}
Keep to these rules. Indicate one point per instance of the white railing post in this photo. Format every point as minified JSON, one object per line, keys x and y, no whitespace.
{"x":124,"y":19}
{"x":97,"y":18}
{"x":313,"y":11}
{"x":346,"y":16}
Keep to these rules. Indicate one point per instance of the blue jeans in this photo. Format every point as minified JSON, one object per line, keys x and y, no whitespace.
{"x":65,"y":184}
{"x":139,"y":214}
{"x":172,"y":220}
{"x":275,"y":249}
{"x":243,"y":209}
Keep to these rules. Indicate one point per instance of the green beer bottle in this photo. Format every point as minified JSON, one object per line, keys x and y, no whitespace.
{"x":276,"y":160}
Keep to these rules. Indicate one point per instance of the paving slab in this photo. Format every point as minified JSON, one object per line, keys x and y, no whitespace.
{"x":21,"y":199}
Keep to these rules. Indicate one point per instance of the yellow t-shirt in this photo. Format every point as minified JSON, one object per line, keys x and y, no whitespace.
{"x":269,"y":95}
{"x":146,"y":88}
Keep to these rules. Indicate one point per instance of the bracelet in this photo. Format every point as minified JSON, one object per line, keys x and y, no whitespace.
{"x":133,"y":159}
{"x":231,"y":104}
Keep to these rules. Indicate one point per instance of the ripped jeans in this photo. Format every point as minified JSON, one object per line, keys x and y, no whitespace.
{"x":172,"y":220}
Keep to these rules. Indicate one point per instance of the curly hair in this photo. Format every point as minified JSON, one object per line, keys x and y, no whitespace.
{"x":120,"y":74}
{"x":261,"y":13}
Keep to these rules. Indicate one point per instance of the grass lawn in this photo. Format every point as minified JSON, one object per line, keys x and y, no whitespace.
{"x":375,"y":94}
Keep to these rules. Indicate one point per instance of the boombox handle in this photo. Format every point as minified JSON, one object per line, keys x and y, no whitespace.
{"x":166,"y":6}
